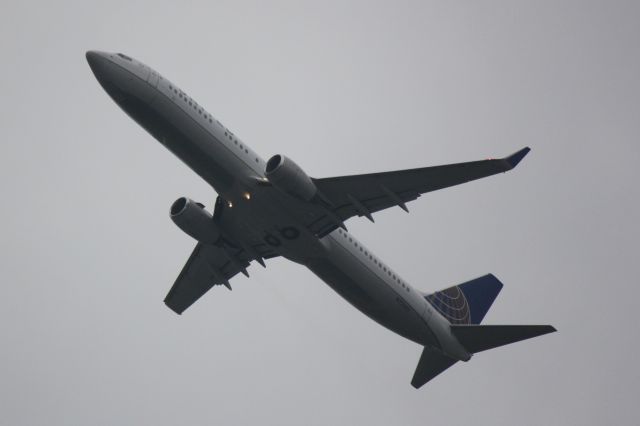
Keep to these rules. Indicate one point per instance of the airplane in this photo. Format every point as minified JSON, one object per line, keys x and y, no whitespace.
{"x":273,"y":208}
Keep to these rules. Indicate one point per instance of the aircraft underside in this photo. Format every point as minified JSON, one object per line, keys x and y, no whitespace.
{"x":273,"y":208}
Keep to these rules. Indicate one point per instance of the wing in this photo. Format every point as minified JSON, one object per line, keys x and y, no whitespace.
{"x":211,"y":265}
{"x":362,"y":195}
{"x":207,"y":266}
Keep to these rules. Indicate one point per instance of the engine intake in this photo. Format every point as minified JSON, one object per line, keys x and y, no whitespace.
{"x":287,"y":176}
{"x":194,"y":220}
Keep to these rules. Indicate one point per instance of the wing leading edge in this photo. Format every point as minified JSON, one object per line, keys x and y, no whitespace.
{"x":362,"y":195}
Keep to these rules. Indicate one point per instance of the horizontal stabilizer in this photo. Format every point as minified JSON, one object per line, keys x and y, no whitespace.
{"x":430,"y":365}
{"x":477,"y":338}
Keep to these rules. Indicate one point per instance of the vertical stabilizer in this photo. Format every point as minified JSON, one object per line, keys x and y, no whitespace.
{"x":466,"y":303}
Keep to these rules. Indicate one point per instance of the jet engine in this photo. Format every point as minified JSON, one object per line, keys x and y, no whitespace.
{"x":194,"y":220}
{"x":288,"y":177}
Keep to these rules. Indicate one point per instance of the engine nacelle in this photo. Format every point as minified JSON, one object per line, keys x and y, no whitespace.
{"x":194,"y":220}
{"x":288,"y":177}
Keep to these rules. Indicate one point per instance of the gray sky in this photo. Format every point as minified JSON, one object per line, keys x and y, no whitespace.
{"x":88,"y":251}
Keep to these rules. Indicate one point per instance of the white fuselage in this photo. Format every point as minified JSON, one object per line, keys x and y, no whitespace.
{"x":235,"y":172}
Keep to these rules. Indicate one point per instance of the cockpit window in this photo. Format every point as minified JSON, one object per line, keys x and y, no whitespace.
{"x":123,"y":56}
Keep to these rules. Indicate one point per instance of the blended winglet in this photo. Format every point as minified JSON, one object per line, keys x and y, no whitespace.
{"x":516,"y":157}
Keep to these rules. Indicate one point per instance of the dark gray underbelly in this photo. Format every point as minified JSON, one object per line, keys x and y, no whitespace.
{"x":192,"y":149}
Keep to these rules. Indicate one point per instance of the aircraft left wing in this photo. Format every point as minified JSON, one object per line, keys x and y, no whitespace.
{"x":362,"y":195}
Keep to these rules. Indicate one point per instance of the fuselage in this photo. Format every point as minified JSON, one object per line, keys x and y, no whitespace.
{"x":238,"y":175}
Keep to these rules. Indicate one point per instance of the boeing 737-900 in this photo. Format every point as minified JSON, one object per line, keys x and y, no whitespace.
{"x":273,"y":208}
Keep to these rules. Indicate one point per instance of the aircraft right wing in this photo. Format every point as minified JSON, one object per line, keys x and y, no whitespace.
{"x":211,"y":265}
{"x":362,"y":195}
{"x":207,"y":266}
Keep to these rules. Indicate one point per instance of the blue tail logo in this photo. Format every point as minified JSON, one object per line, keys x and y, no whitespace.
{"x":466,"y":303}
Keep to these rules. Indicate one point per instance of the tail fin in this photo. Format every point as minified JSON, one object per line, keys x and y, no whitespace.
{"x":466,"y":303}
{"x":430,"y":365}
{"x":477,"y":338}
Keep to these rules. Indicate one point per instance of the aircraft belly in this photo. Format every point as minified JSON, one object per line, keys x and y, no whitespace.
{"x":368,"y":292}
{"x":194,"y":145}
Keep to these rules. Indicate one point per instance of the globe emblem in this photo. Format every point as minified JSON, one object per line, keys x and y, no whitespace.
{"x":452,"y":304}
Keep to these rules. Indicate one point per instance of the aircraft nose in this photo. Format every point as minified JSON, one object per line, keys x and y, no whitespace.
{"x":96,"y":60}
{"x":92,"y":57}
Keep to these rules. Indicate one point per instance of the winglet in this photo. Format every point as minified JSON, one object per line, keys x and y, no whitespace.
{"x":516,"y":157}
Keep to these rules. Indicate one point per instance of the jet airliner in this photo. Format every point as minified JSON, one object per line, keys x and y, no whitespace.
{"x":273,"y":208}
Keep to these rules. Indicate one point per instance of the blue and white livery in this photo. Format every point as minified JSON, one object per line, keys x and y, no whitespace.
{"x":273,"y":208}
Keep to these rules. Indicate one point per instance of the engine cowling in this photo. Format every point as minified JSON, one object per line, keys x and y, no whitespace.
{"x":287,"y":176}
{"x":194,"y":220}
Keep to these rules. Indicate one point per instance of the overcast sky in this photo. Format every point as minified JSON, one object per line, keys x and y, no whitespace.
{"x":88,"y":251}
